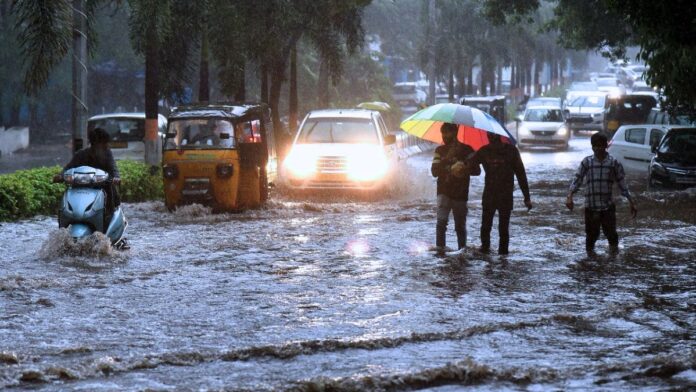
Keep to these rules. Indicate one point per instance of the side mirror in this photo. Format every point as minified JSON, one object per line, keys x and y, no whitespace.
{"x":653,"y":148}
{"x":389,"y":139}
{"x":170,"y":135}
{"x":224,"y":135}
{"x":518,"y":118}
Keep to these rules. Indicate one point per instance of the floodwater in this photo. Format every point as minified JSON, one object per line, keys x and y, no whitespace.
{"x":346,"y":295}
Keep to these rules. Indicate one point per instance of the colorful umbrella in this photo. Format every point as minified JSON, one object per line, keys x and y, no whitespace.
{"x":473,"y":124}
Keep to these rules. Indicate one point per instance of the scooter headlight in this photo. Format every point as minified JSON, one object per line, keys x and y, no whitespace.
{"x":83,"y":178}
{"x":99,"y":178}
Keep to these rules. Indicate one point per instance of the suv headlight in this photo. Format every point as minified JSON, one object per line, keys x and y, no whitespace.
{"x":522,"y":130}
{"x":369,"y":165}
{"x":300,"y":165}
{"x":562,"y":131}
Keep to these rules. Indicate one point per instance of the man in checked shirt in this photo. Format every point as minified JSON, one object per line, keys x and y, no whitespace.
{"x":598,"y":173}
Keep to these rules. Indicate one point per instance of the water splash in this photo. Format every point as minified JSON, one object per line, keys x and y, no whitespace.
{"x":60,"y":243}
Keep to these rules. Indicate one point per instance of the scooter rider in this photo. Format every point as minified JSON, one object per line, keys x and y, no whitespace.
{"x":98,"y":155}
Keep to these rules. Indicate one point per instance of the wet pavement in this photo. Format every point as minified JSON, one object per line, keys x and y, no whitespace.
{"x":346,"y":295}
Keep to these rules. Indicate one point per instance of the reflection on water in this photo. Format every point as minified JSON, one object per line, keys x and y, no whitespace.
{"x":318,"y":294}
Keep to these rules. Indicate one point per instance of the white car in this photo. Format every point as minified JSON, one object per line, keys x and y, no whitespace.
{"x":586,"y":111}
{"x":542,"y":126}
{"x":341,"y":149}
{"x":127,"y":131}
{"x":632,"y":146}
{"x":409,"y":95}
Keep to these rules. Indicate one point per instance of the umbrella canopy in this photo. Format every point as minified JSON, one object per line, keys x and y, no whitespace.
{"x":474,"y":124}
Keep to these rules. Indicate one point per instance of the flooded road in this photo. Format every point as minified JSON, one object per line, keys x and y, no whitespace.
{"x":345,"y":295}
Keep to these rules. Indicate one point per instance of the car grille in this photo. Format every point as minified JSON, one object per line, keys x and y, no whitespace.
{"x":332,"y":164}
{"x":543,"y":133}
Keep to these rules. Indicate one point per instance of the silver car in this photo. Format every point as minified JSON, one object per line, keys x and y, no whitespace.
{"x":586,"y":111}
{"x":542,"y":126}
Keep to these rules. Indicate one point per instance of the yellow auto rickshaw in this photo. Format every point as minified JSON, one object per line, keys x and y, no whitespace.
{"x":222,"y":156}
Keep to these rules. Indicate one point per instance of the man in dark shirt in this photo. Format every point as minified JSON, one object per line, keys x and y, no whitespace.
{"x":98,"y":155}
{"x":502,"y":162}
{"x":452,"y":171}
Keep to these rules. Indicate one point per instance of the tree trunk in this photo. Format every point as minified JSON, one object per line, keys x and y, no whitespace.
{"x":561,"y":64}
{"x":151,"y":96}
{"x":323,"y":95}
{"x":470,"y":80}
{"x":264,"y":84}
{"x":292,"y":100}
{"x":537,"y":71}
{"x":529,"y":78}
{"x":79,"y":75}
{"x":204,"y":71}
{"x":277,"y":77}
{"x":240,"y":94}
{"x":513,"y":82}
{"x":450,"y":87}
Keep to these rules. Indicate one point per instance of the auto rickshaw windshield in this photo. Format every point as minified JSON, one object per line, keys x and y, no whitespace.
{"x":200,"y":133}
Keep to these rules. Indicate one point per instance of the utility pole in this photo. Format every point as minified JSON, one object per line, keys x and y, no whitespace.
{"x":79,"y":75}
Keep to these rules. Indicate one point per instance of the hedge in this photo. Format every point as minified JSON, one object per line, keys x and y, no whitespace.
{"x":26,"y":193}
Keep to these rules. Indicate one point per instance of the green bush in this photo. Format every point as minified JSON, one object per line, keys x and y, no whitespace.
{"x":26,"y":193}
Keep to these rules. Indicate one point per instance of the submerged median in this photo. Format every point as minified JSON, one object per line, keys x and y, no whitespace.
{"x":26,"y":193}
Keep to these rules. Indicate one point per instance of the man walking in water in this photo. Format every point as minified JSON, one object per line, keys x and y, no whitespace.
{"x":452,"y":171}
{"x":502,"y":162}
{"x":598,"y":173}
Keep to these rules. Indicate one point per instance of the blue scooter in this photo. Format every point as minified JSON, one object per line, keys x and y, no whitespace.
{"x":84,"y":206}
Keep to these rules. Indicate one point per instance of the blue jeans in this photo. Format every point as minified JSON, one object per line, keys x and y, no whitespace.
{"x":459,"y":211}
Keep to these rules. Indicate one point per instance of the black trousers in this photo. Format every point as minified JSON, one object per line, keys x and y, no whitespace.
{"x":503,"y":227}
{"x":606,"y":219}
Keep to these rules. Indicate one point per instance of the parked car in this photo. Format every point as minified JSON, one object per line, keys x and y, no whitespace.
{"x":408,"y":94}
{"x":542,"y":126}
{"x":586,"y":112}
{"x":674,"y":163}
{"x":632,"y":145}
{"x":658,"y":116}
{"x":341,"y":149}
{"x":127,"y":131}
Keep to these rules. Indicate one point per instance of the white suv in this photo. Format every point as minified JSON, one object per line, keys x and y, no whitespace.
{"x":340,"y":149}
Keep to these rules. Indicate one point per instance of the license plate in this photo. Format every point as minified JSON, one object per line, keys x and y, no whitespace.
{"x":118,"y":144}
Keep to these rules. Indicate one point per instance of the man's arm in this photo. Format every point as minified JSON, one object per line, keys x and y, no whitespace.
{"x":521,"y":175}
{"x":576,"y":182}
{"x":474,"y":168}
{"x":111,"y":168}
{"x":437,"y":168}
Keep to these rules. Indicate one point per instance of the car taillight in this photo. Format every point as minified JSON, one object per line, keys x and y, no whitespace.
{"x":170,"y":172}
{"x":224,"y":170}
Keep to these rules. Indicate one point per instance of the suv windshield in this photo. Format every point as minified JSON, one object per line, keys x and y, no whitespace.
{"x":200,"y":133}
{"x":543,"y":115}
{"x":680,"y":142}
{"x":338,"y":130}
{"x":591,"y":101}
{"x":121,"y":129}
